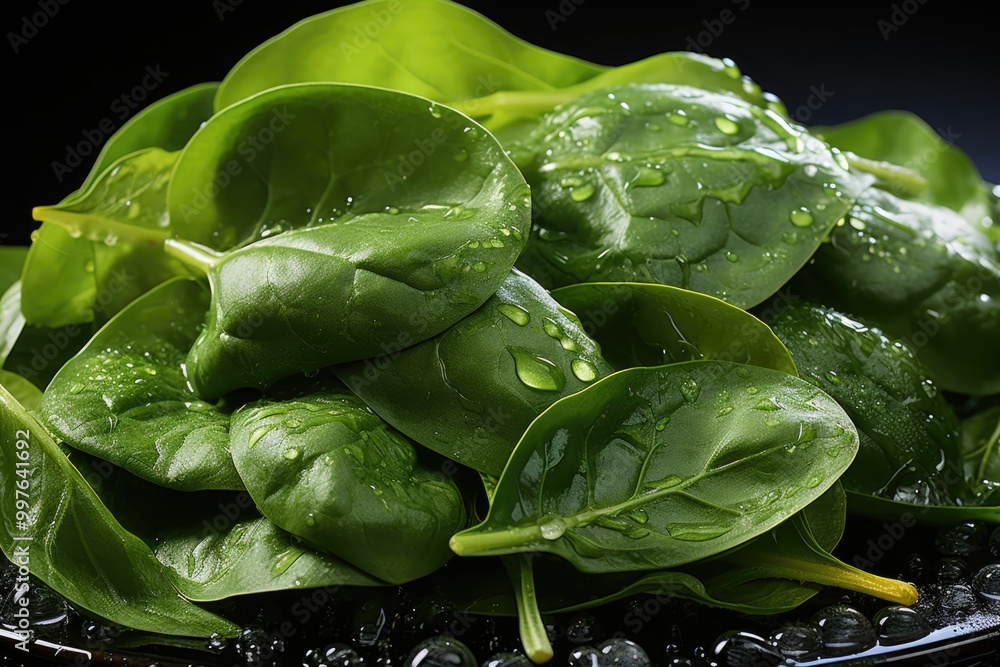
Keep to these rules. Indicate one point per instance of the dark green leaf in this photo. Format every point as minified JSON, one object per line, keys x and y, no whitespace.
{"x":328,"y":470}
{"x":25,"y":393}
{"x":909,"y":432}
{"x":78,"y":548}
{"x":11,"y":261}
{"x":650,"y":325}
{"x":923,"y":274}
{"x":656,"y":467}
{"x":901,"y":138}
{"x":679,"y":186}
{"x":496,"y":370}
{"x":125,"y":397}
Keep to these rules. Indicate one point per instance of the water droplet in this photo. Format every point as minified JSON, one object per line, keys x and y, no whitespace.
{"x":662,"y":423}
{"x":723,"y":411}
{"x":75,"y":388}
{"x":900,"y":625}
{"x":678,"y":117}
{"x":435,"y":111}
{"x":552,"y":528}
{"x":584,"y":370}
{"x":801,"y":217}
{"x":479,"y":267}
{"x":285,"y":561}
{"x":767,"y":404}
{"x":391,"y":210}
{"x":537,"y":372}
{"x":256,"y":436}
{"x":569,"y":344}
{"x":833,"y":378}
{"x":291,"y":454}
{"x":515,"y":314}
{"x":772,"y":421}
{"x":791,"y":238}
{"x":689,"y":389}
{"x":732,"y":257}
{"x":582,"y":193}
{"x":459,"y":154}
{"x":727,"y":125}
{"x":649,"y":177}
{"x":845,"y":630}
{"x":798,"y":641}
{"x":552,"y":329}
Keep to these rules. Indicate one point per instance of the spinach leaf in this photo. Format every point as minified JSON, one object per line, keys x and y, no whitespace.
{"x":650,"y":325}
{"x":89,"y":274}
{"x":902,"y":138}
{"x":923,"y":274}
{"x":123,"y":217}
{"x":908,"y":431}
{"x":440,"y":50}
{"x":508,"y":113}
{"x":980,"y":447}
{"x":679,"y":186}
{"x":79,"y":549}
{"x":497,"y":369}
{"x":11,"y":261}
{"x":656,"y":467}
{"x":125,"y":397}
{"x":11,"y":319}
{"x":378,"y":262}
{"x":35,"y":353}
{"x":26,"y":394}
{"x":325,"y":468}
{"x":884,"y":509}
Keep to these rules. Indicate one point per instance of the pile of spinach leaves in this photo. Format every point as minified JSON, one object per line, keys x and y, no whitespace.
{"x":754,"y":330}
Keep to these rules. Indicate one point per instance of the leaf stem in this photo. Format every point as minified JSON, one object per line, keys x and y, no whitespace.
{"x":495,"y":542}
{"x":510,"y":105}
{"x":96,"y":227}
{"x":840,"y":574}
{"x":193,"y":255}
{"x":534,"y":638}
{"x":907,"y":181}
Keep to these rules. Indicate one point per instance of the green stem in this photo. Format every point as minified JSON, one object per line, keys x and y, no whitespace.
{"x":514,"y":104}
{"x":906,"y":181}
{"x":96,"y":227}
{"x":496,"y":542}
{"x":841,"y":575}
{"x":534,"y":639}
{"x":193,"y":255}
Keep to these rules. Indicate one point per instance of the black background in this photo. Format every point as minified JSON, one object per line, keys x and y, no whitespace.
{"x":941,"y":62}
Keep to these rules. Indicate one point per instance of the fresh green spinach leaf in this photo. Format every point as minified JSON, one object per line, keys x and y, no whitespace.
{"x":123,"y":217}
{"x":656,"y":467}
{"x":908,"y":431}
{"x":650,"y":325}
{"x":373,"y":262}
{"x":497,"y":369}
{"x":902,"y":138}
{"x":679,"y":186}
{"x":923,"y":274}
{"x":327,"y":469}
{"x":24,"y":392}
{"x":439,"y":50}
{"x":79,"y":550}
{"x":125,"y":397}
